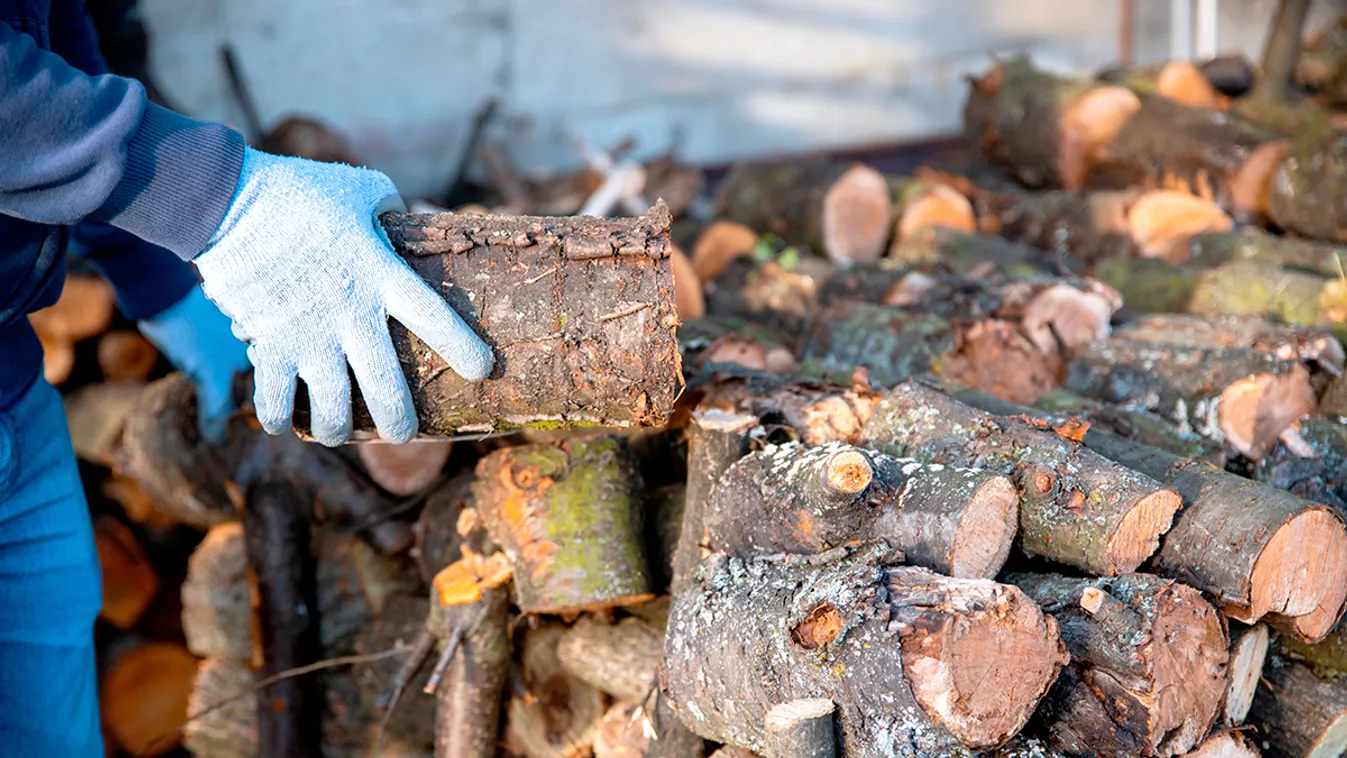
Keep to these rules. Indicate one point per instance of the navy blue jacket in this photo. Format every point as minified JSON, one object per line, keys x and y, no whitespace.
{"x":84,"y":155}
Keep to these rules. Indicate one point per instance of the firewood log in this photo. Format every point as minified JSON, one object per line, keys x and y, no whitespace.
{"x":1242,"y":397}
{"x":708,"y":343}
{"x":1026,"y":747}
{"x":621,"y":733}
{"x":920,"y":204}
{"x":437,"y":532}
{"x":1299,"y":714}
{"x":561,"y":718}
{"x":1045,"y":129}
{"x":1248,"y":652}
{"x":1214,"y":248}
{"x":816,"y":412}
{"x":1327,"y":657}
{"x":1151,"y":656}
{"x":401,"y":623}
{"x":623,"y":660}
{"x":791,"y":499}
{"x":1178,"y":80}
{"x":781,"y":294}
{"x":1138,"y":426}
{"x":126,"y":356}
{"x":719,"y":244}
{"x":716,"y":439}
{"x":218,"y":611}
{"x":568,"y":517}
{"x":842,"y":211}
{"x":1227,"y":744}
{"x":1309,"y":461}
{"x":941,"y":250}
{"x":1318,"y":349}
{"x":404,"y":470}
{"x":1131,"y":224}
{"x":1322,"y":64}
{"x":144,"y":692}
{"x":879,"y":640}
{"x":130,"y":582}
{"x":276,"y":538}
{"x":580,"y":312}
{"x":665,"y":509}
{"x":1278,"y":557}
{"x":137,"y":504}
{"x":801,"y":729}
{"x":468,"y":698}
{"x":229,"y":731}
{"x":892,"y":344}
{"x":97,"y":414}
{"x":1076,"y":507}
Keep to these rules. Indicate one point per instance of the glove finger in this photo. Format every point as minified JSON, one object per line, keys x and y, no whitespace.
{"x":324,"y":372}
{"x":382,"y":385}
{"x":416,"y":306}
{"x":273,"y":391}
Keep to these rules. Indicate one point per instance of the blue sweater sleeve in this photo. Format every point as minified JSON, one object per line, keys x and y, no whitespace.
{"x":77,"y":146}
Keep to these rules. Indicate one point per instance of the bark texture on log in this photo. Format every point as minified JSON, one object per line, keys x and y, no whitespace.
{"x":1142,"y":427}
{"x":1258,"y":550}
{"x":716,"y":439}
{"x":793,"y":499}
{"x":1244,"y":398}
{"x":817,"y":412}
{"x":1327,"y":657}
{"x":1310,"y":461}
{"x":1076,"y":506}
{"x":918,"y":664}
{"x":892,"y":344}
{"x":568,"y":517}
{"x":276,"y":535}
{"x":1309,"y":188}
{"x":468,"y":698}
{"x":1299,"y":714}
{"x":801,"y":729}
{"x":1150,"y":651}
{"x":842,"y":211}
{"x":579,"y":311}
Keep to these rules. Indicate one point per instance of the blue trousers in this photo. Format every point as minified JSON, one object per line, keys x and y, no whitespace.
{"x":50,"y":588}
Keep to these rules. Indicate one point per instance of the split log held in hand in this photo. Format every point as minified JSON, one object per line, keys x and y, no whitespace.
{"x":1077,"y":507}
{"x":793,"y":499}
{"x":579,"y":312}
{"x":917,"y":663}
{"x":1149,"y":658}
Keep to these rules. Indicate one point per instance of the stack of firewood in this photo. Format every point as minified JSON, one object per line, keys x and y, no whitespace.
{"x":1040,"y":455}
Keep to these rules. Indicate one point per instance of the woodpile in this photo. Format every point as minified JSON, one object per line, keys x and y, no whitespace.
{"x":1044,"y":458}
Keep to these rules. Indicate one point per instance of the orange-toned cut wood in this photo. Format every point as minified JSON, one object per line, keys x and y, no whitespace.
{"x":144,"y":694}
{"x":130,"y":582}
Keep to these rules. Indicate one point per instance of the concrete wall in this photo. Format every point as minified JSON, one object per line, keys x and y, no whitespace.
{"x":717,"y":79}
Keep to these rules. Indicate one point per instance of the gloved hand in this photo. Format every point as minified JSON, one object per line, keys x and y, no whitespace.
{"x":309,"y":278}
{"x":197,"y":339}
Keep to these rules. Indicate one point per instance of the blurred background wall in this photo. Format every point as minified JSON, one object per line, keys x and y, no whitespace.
{"x":712,"y":79}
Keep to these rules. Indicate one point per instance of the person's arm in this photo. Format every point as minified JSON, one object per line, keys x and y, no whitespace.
{"x":74,"y":146}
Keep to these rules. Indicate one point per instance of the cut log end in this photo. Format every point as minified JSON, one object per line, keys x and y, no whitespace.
{"x":940,"y":205}
{"x":689,"y":300}
{"x":959,"y":674}
{"x":785,"y":715}
{"x":1162,"y":221}
{"x":1301,"y":574}
{"x":849,"y":472}
{"x":1256,"y":409}
{"x":857,"y":214}
{"x":1247,"y":655}
{"x":1088,"y":125}
{"x":1138,"y":534}
{"x":1070,"y":316}
{"x":984,"y":536}
{"x":144,"y":695}
{"x":722,"y":242}
{"x":404,"y":469}
{"x":561,"y":715}
{"x":1250,"y":185}
{"x":1189,"y":663}
{"x":1230,"y":744}
{"x":126,"y":356}
{"x":1185,"y":83}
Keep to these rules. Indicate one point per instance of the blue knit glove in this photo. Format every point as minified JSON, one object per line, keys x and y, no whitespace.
{"x":309,"y":278}
{"x":197,"y":339}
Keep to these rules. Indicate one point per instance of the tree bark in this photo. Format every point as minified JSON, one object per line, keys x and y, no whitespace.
{"x":468,"y":698}
{"x":1281,"y":50}
{"x":716,"y":439}
{"x":1244,"y":398}
{"x":1142,"y":427}
{"x":1299,"y":714}
{"x":801,"y":729}
{"x":879,"y":639}
{"x":817,"y":412}
{"x":1151,"y":651}
{"x":1311,"y":462}
{"x":1309,"y":187}
{"x":1256,"y":246}
{"x":568,"y":517}
{"x":892,"y":344}
{"x":792,"y":499}
{"x":276,"y":535}
{"x":579,"y":312}
{"x":1076,"y":507}
{"x":842,"y":211}
{"x":1275,"y":555}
